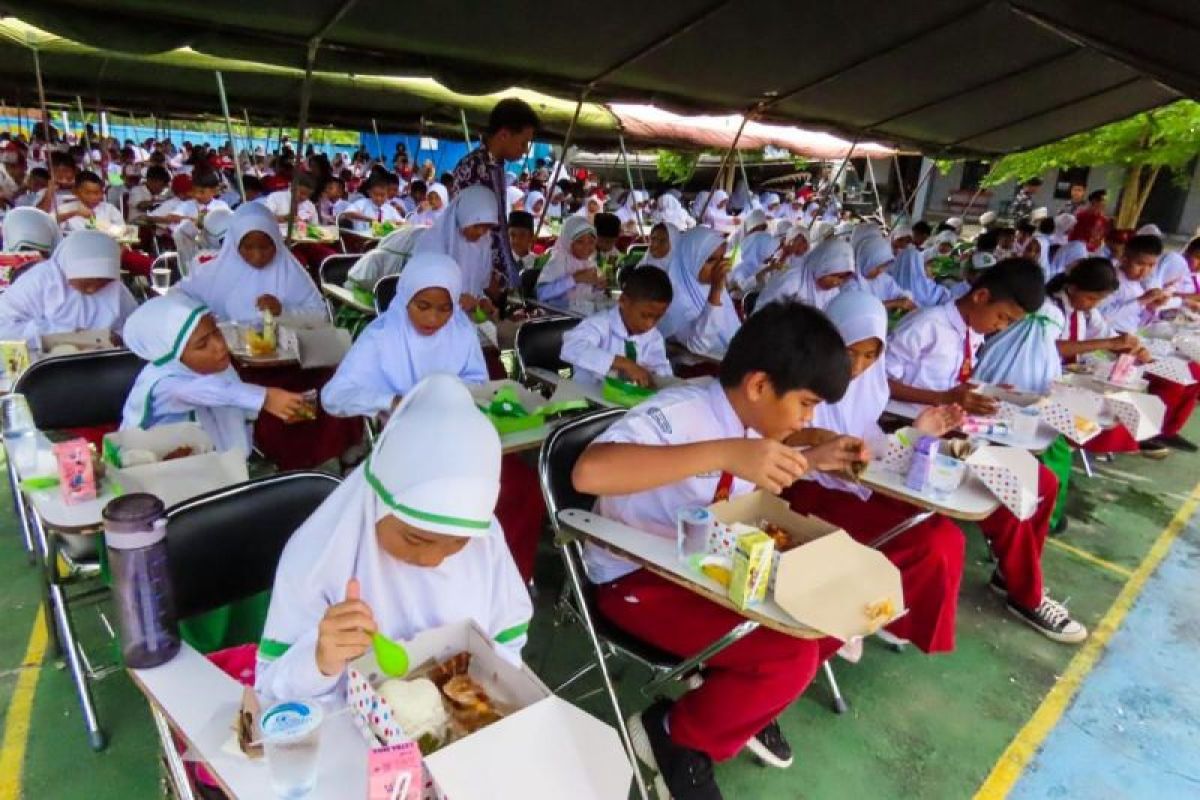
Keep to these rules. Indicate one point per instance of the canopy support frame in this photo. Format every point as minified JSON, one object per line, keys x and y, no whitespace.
{"x":561,"y":161}
{"x":237,"y":163}
{"x":724,"y":160}
{"x":637,"y":211}
{"x":37,"y":68}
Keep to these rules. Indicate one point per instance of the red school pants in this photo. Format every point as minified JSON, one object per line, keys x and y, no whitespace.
{"x":1018,"y":545}
{"x":311,"y":254}
{"x":746,"y":686}
{"x":521,"y":512}
{"x":135,"y":263}
{"x":1179,"y":400}
{"x":929,"y":556}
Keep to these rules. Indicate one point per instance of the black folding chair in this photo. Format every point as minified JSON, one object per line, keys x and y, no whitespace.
{"x":223,"y":547}
{"x":385,"y":292}
{"x":335,"y":269}
{"x":73,"y":391}
{"x":538,"y":343}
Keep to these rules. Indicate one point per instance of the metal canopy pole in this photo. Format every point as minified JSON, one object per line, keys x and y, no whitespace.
{"x":462,"y":114}
{"x":87,"y":140}
{"x":725,"y":160}
{"x":50,"y":188}
{"x":378,"y":143}
{"x":249,"y":136}
{"x":900,"y":183}
{"x":237,"y":164}
{"x":637,"y":212}
{"x":875,"y":189}
{"x":558,"y":167}
{"x":305,"y":99}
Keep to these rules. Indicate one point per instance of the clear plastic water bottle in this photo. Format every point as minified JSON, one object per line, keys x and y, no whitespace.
{"x":135,"y":530}
{"x":20,"y":434}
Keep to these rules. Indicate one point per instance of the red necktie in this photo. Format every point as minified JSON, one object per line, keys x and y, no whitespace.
{"x":964,"y":372}
{"x":1073,"y":334}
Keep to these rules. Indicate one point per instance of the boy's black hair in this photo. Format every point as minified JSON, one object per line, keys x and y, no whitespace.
{"x":1099,"y":194}
{"x":922,"y":227}
{"x":1017,"y":279}
{"x":252,"y":183}
{"x":1005,"y":230}
{"x":795,"y":345}
{"x":391,"y":179}
{"x":158,"y":173}
{"x":61,"y":159}
{"x":944,"y":226}
{"x":376,"y":179}
{"x":987,"y":241}
{"x":307,"y":181}
{"x":1026,"y":227}
{"x":1094,"y":274}
{"x":1046,"y":226}
{"x":1034,"y":182}
{"x":647,"y":284}
{"x":87,"y":176}
{"x":39,"y":172}
{"x":1193,"y":247}
{"x":520,"y":219}
{"x":206,"y":180}
{"x":1144,"y":245}
{"x":417,"y":185}
{"x":447,"y":179}
{"x":512,"y":114}
{"x":607,"y":225}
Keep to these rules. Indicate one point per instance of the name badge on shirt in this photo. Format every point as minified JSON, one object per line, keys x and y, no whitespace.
{"x":660,"y":419}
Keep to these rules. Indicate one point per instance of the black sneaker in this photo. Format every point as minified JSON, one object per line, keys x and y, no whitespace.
{"x":1060,"y":526}
{"x":683,"y":774}
{"x":769,"y":747}
{"x":997,"y":584}
{"x":1052,"y":620}
{"x":1179,"y":443}
{"x":1154,"y":448}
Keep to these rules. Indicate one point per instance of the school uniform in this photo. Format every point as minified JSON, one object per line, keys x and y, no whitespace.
{"x":43,"y":302}
{"x":747,"y":685}
{"x":1122,"y":309}
{"x":590,"y":346}
{"x":691,"y":320}
{"x":473,"y":205}
{"x":192,"y":210}
{"x":384,"y":213}
{"x":436,"y":467}
{"x":280,"y":204}
{"x":754,"y":251}
{"x":871,"y":251}
{"x":556,"y":280}
{"x":167,"y":391}
{"x":391,"y":356}
{"x":106,"y":216}
{"x":935,"y":349}
{"x":930,"y":555}
{"x":140,"y":194}
{"x":798,"y":283}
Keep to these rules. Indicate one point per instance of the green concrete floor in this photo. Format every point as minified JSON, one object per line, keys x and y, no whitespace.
{"x":928,"y":727}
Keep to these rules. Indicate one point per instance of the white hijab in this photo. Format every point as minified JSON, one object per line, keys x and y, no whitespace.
{"x":562,"y":263}
{"x":799,"y":283}
{"x":43,"y":301}
{"x":688,"y":254}
{"x":671,"y":211}
{"x":158,"y":332}
{"x":474,"y":205}
{"x":858,"y":316}
{"x":216,"y":225}
{"x":1066,"y":255}
{"x":29,"y":228}
{"x":411,"y":355}
{"x":231,"y":287}
{"x":663,"y":263}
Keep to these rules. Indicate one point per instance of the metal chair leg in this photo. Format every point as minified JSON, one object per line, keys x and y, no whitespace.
{"x":96,"y":737}
{"x":14,"y":484}
{"x":177,"y":776}
{"x":586,"y":617}
{"x":1087,"y":463}
{"x":839,"y":702}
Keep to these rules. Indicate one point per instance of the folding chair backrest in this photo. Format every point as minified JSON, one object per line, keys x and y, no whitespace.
{"x":335,"y":269}
{"x":560,"y":450}
{"x":538,"y":343}
{"x":79,"y":390}
{"x":224,"y":546}
{"x":749,"y":302}
{"x":385,"y":292}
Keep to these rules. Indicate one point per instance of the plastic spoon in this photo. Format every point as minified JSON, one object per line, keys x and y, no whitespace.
{"x":392,"y":657}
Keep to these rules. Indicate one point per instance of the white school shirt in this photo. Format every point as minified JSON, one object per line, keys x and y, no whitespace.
{"x":1075,"y":325}
{"x":1122,"y":309}
{"x":692,"y":412}
{"x":176,"y":397}
{"x":107,"y":216}
{"x":140,"y":194}
{"x":927,"y":349}
{"x":280,"y":204}
{"x":590,"y":346}
{"x":191,"y":210}
{"x":385,"y":213}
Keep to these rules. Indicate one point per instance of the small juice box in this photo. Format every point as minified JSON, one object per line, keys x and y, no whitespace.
{"x":398,"y":764}
{"x":752,"y":560}
{"x":922,"y":464}
{"x":76,"y":478}
{"x":14,"y":356}
{"x":1122,"y":368}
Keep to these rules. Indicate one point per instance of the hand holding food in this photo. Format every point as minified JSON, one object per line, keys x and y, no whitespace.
{"x":285,"y":405}
{"x":766,"y":463}
{"x":838,"y":454}
{"x":269,"y":302}
{"x":345,"y":632}
{"x":971,"y":401}
{"x":939,"y":420}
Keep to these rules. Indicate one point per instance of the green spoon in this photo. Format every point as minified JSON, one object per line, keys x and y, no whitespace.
{"x":392,"y":657}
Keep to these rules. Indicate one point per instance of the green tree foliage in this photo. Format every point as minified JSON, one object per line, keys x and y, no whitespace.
{"x":677,"y":168}
{"x":1143,"y":144}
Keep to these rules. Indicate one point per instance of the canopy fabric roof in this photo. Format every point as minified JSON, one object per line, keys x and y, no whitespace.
{"x":950,"y":76}
{"x":181,"y":81}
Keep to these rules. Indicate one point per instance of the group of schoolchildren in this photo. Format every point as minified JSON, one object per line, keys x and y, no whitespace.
{"x":419,"y":535}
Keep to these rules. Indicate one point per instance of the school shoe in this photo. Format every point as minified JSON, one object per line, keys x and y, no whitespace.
{"x":1154,"y":448}
{"x":1178,"y":443}
{"x":682,"y":773}
{"x":769,"y":747}
{"x":1051,"y":619}
{"x":998,"y":585}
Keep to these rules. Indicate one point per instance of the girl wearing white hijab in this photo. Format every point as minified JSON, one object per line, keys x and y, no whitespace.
{"x":253,"y":271}
{"x":717,"y":217}
{"x":662,"y":241}
{"x":409,"y":542}
{"x":756,"y":248}
{"x":463,"y":232}
{"x":189,"y":376}
{"x":78,"y":288}
{"x":701,"y":316}
{"x":873,"y":256}
{"x":513,"y":200}
{"x":627,"y":211}
{"x":423,"y":331}
{"x":571,"y":263}
{"x":930,"y":559}
{"x":28,"y":228}
{"x":535,"y":201}
{"x":1066,"y":255}
{"x":436,"y":201}
{"x":816,"y":280}
{"x":671,"y":211}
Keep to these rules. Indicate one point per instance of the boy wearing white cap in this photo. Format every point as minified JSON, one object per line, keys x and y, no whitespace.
{"x":408,"y":543}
